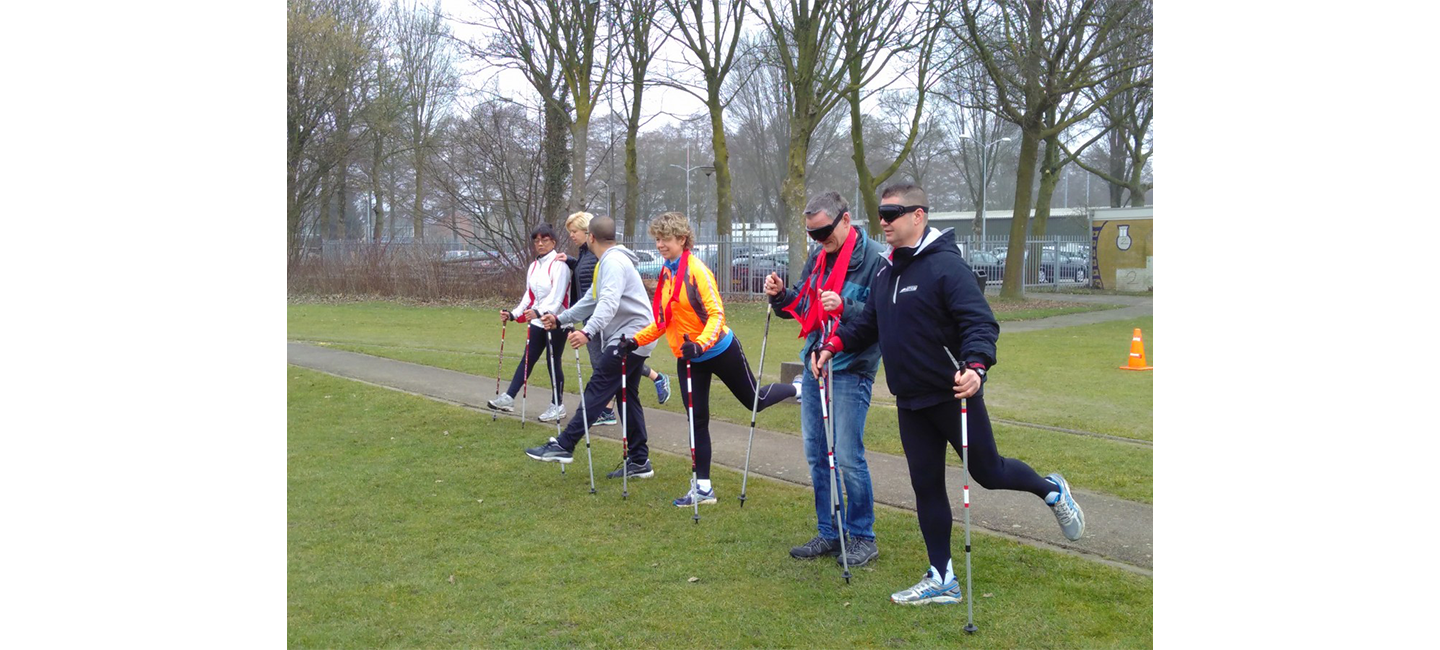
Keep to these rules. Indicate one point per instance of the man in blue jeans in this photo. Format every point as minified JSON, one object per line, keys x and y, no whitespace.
{"x":835,"y":282}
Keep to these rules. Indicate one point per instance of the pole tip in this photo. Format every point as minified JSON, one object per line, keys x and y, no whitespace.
{"x":970,"y":628}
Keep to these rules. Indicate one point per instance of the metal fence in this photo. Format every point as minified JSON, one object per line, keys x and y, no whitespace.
{"x":438,"y":269}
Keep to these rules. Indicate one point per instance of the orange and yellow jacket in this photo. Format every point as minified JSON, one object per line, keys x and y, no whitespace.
{"x":698,"y":311}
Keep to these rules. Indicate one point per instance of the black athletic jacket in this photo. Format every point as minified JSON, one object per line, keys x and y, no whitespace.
{"x":582,"y":267}
{"x":922,"y":303}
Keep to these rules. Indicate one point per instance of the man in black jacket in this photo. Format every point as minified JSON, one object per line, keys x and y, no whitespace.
{"x":925,"y":310}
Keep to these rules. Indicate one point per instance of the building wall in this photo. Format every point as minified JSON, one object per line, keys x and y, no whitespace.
{"x":1125,"y":254}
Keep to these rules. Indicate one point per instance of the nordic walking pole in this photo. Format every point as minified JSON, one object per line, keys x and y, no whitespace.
{"x":624,"y":423}
{"x":690,"y":413}
{"x":754,"y":408}
{"x":525,"y":388}
{"x":965,"y":478}
{"x":555,"y":385}
{"x":500,"y":366}
{"x":584,"y":415}
{"x":829,"y":426}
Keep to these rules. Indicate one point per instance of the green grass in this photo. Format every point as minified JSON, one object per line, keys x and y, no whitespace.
{"x":1066,"y":378}
{"x":1070,"y":377}
{"x":418,"y":524}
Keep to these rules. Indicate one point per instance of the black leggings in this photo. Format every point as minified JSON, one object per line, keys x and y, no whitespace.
{"x":732,"y":368}
{"x":534,"y":349}
{"x":924,"y":434}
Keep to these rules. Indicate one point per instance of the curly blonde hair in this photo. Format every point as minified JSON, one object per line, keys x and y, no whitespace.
{"x":673,"y":224}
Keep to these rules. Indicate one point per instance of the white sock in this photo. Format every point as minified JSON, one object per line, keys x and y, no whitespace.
{"x":943,"y":576}
{"x":1053,"y":497}
{"x":704,"y":484}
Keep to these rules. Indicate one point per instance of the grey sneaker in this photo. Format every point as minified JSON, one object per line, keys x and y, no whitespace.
{"x":697,"y":494}
{"x":859,"y":551}
{"x":1067,"y":512}
{"x":929,"y":590}
{"x":550,"y":452}
{"x":635,"y":471}
{"x":502,"y":403}
{"x":555,"y":412}
{"x":606,"y":418}
{"x":816,"y":547}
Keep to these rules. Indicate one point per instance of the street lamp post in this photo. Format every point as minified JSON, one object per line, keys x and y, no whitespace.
{"x":708,"y":169}
{"x":984,"y":182}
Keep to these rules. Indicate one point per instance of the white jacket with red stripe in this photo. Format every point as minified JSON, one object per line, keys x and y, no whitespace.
{"x":547,"y":287}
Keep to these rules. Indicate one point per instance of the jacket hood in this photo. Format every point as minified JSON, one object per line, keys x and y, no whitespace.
{"x":619,"y":249}
{"x":934,"y":242}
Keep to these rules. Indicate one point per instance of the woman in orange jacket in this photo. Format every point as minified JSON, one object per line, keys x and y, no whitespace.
{"x":687,"y":303}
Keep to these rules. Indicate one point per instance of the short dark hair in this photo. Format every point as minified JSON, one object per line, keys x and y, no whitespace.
{"x":831,"y":203}
{"x":602,"y":228}
{"x":543,"y":230}
{"x":908,"y":193}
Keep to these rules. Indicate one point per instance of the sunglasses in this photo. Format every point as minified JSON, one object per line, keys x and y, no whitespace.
{"x":823,"y":232}
{"x":889,"y":213}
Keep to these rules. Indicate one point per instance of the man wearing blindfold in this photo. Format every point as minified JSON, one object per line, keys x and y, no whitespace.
{"x":928,"y":316}
{"x":835,"y":284}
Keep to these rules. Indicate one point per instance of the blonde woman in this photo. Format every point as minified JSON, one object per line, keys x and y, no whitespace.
{"x":582,"y":269}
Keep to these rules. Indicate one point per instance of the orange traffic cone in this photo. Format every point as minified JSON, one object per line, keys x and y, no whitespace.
{"x":1137,"y":353}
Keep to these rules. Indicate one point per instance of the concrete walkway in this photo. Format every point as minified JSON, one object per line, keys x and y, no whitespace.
{"x":1117,"y":532}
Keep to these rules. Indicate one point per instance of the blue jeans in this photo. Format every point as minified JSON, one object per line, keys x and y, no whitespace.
{"x":851,"y":401}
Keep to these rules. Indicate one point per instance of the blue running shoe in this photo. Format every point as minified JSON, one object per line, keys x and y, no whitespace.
{"x":607,"y":417}
{"x":929,"y":590}
{"x":1067,"y":512}
{"x":662,"y":387}
{"x":688,"y":501}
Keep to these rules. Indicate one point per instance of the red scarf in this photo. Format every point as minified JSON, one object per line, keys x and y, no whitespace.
{"x":662,"y":318}
{"x":806,"y":306}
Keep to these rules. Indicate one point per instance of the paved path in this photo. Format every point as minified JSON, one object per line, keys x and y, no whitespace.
{"x":1117,"y":532}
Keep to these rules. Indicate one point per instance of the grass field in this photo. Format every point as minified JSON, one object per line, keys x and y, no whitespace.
{"x":1066,"y":377}
{"x":418,"y":524}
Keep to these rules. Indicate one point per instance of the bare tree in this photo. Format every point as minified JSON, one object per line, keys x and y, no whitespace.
{"x":1126,"y":121}
{"x":812,"y":57}
{"x":426,"y":70}
{"x":323,"y":41}
{"x":710,"y":32}
{"x":1038,"y":54}
{"x":637,"y":20}
{"x":874,"y":32}
{"x":489,"y":169}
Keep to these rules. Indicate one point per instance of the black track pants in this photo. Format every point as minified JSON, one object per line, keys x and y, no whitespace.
{"x":924,"y":434}
{"x":535,"y":349}
{"x":732,"y":369}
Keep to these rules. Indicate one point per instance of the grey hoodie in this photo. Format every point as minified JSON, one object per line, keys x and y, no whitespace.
{"x":616,"y":303}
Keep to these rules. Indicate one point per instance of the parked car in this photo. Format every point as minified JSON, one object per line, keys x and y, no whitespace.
{"x":993,"y":267}
{"x":649,"y":265}
{"x":749,"y":273}
{"x":1070,"y":268}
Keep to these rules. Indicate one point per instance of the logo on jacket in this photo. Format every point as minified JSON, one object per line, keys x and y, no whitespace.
{"x":910,"y":288}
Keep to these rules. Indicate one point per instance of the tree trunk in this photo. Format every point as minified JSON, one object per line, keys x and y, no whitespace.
{"x":722,"y":163}
{"x":376,"y":231}
{"x":557,"y":163}
{"x":1014,"y":285}
{"x":866,"y":187}
{"x":327,"y":219}
{"x":580,"y":135}
{"x":1049,"y":177}
{"x":792,"y":197}
{"x":632,"y":161}
{"x":418,"y":217}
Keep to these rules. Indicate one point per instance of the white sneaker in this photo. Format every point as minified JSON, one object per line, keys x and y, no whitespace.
{"x":552,"y":414}
{"x":502,"y":403}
